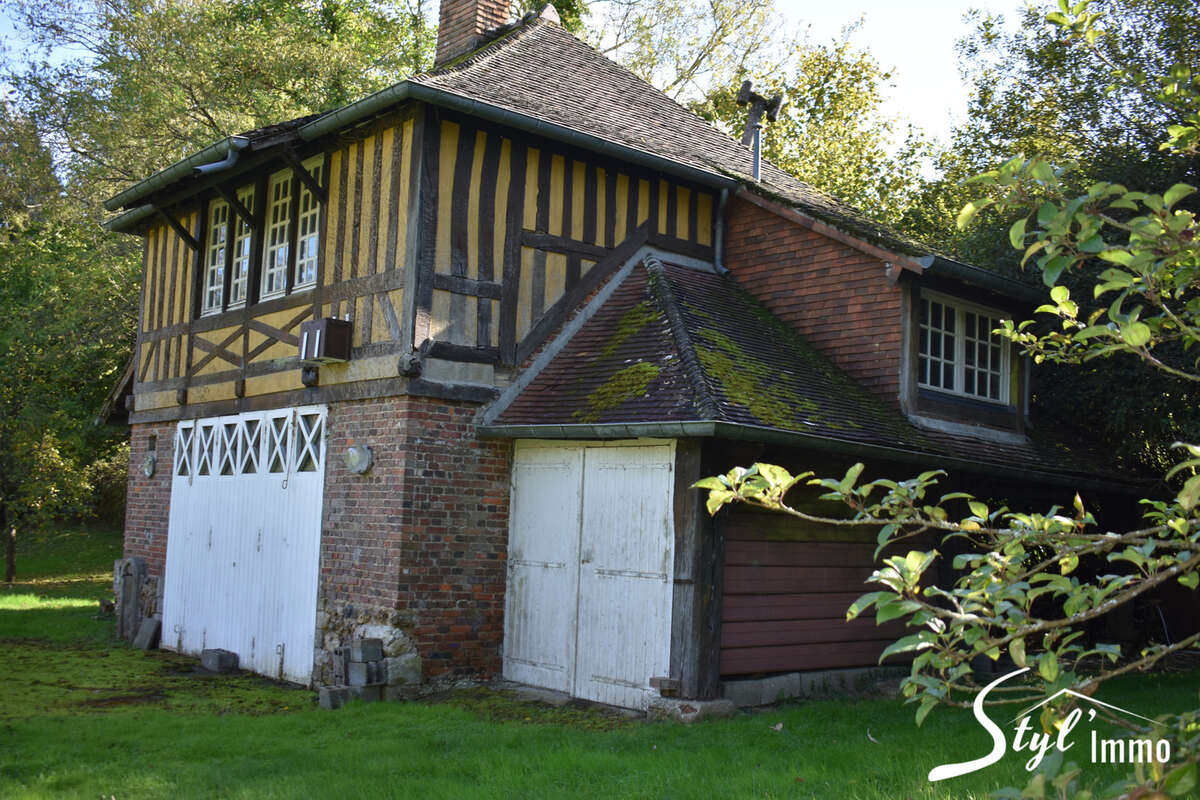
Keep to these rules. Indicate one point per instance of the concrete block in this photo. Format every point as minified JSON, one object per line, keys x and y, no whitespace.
{"x":403,"y":670}
{"x":369,"y":693}
{"x":217,"y":660}
{"x":744,"y":694}
{"x":332,"y":697}
{"x":364,"y":650}
{"x":339,"y":666}
{"x":147,"y":635}
{"x":781,"y":687}
{"x":356,"y":674}
{"x":689,"y":711}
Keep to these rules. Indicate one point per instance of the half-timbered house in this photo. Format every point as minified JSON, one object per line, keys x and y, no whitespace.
{"x":441,"y":365}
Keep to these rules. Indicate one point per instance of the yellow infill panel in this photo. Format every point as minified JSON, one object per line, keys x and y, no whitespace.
{"x":503,"y":181}
{"x":446,"y":163}
{"x":283,"y":381}
{"x":385,"y":199}
{"x":531,"y":188}
{"x":622,"y":207}
{"x":578,"y":195}
{"x":211,"y":392}
{"x":337,"y":160}
{"x":473,"y":191}
{"x":683,"y":197}
{"x":366,"y":210}
{"x":556,"y":277}
{"x":601,"y":205}
{"x":405,"y":179}
{"x":557,"y":173}
{"x":351,"y":201}
{"x":524,"y":292}
{"x":704,"y":220}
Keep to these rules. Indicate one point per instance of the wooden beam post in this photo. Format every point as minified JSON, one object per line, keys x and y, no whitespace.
{"x":177,"y":226}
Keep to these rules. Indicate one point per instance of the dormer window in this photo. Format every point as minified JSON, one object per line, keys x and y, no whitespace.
{"x":958,"y":353}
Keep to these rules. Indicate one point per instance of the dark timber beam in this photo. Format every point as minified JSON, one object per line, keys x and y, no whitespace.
{"x":310,"y":183}
{"x":236,"y":205}
{"x":180,"y":231}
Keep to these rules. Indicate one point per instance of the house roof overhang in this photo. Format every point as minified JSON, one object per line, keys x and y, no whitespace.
{"x":711,"y":429}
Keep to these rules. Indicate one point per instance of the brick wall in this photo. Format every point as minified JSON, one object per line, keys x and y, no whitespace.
{"x":419,"y":541}
{"x":148,"y":503}
{"x":835,"y":296}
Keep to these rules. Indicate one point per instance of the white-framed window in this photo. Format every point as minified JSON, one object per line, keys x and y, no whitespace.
{"x":957,"y":351}
{"x":308,"y":230}
{"x":243,"y":235}
{"x":275,"y":257}
{"x":214,"y":257}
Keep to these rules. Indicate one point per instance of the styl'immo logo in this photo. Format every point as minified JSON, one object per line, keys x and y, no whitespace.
{"x":1103,"y":751}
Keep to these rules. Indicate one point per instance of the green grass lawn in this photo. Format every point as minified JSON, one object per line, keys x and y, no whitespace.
{"x":81,"y":716}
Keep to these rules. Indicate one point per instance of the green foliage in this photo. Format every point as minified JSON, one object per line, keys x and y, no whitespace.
{"x":687,"y":48}
{"x":108,"y":476}
{"x":66,"y":291}
{"x":831,"y":132}
{"x":1094,"y":108}
{"x":143,"y":84}
{"x":1019,"y":590}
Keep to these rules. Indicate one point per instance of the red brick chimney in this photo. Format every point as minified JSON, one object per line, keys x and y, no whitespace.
{"x":462,"y":22}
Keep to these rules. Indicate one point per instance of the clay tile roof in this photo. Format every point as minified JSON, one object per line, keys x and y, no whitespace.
{"x":542,"y":71}
{"x":674,"y":344}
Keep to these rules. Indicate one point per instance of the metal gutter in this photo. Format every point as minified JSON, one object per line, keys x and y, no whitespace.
{"x":231,"y":157}
{"x":944,"y":267}
{"x":178,"y":170}
{"x":755,"y":433}
{"x":409,"y":90}
{"x":128,"y":219}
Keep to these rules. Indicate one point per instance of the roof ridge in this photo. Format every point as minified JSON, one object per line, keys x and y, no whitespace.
{"x":660,"y":289}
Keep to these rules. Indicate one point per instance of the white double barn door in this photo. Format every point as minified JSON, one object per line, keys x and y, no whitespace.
{"x":243,"y":548}
{"x":590,"y":569}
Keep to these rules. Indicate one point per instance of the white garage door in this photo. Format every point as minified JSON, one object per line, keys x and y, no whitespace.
{"x":590,"y":569}
{"x":244,"y":541}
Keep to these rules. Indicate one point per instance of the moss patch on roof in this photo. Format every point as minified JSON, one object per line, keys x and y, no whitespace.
{"x":624,"y":385}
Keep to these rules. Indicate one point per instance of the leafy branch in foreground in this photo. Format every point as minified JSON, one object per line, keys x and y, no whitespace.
{"x":1027,"y":585}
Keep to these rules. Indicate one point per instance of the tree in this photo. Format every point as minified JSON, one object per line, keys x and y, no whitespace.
{"x":143,"y":84}
{"x":1081,"y":109}
{"x":687,"y":48}
{"x":1029,"y":583}
{"x":832,"y":132}
{"x":132,"y":86}
{"x":65,"y":332}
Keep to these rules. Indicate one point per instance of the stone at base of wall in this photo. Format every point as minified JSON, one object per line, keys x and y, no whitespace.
{"x":688,"y":711}
{"x":773,"y":689}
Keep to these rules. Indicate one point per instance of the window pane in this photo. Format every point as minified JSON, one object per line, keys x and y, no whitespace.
{"x":214,"y":257}
{"x":308,"y":235}
{"x":276,"y":257}
{"x":243,"y":232}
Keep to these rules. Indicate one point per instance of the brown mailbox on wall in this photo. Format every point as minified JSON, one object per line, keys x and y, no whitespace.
{"x":324,"y":341}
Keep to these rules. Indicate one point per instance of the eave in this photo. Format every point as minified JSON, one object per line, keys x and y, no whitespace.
{"x":765,"y":435}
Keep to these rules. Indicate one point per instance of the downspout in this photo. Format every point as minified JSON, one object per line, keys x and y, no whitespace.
{"x":235,"y":148}
{"x":719,"y":236}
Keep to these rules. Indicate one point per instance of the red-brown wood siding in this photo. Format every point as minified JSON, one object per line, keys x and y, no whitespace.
{"x":837,"y":297}
{"x":786,"y":599}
